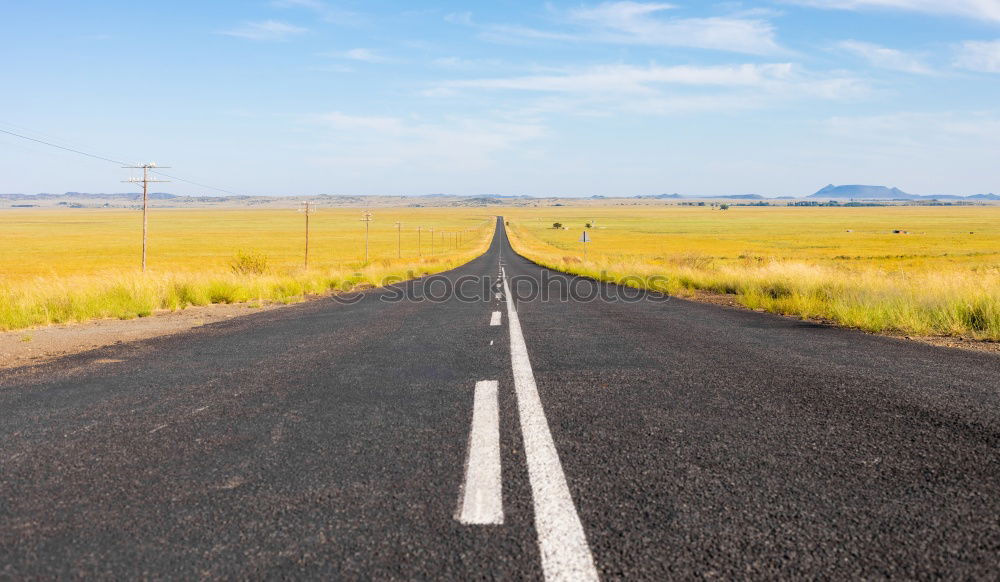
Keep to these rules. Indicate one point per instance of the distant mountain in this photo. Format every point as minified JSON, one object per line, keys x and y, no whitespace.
{"x":985,"y":197}
{"x":859,"y":192}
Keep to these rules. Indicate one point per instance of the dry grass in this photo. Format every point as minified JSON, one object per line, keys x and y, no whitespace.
{"x":76,"y":265}
{"x":844,"y":265}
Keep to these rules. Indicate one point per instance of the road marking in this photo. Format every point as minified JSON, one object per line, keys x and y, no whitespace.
{"x":482,"y":499}
{"x":495,"y":320}
{"x":499,"y":296}
{"x":561,"y":540}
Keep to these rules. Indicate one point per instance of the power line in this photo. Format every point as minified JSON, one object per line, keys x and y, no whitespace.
{"x":118,"y":162}
{"x":95,"y":156}
{"x":195,"y":183}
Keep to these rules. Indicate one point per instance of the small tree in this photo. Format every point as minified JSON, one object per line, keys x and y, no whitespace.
{"x":723,"y":207}
{"x":556,"y":225}
{"x":587,"y":225}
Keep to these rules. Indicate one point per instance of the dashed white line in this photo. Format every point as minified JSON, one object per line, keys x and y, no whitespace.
{"x":561,"y":539}
{"x":482,"y":499}
{"x":495,"y":319}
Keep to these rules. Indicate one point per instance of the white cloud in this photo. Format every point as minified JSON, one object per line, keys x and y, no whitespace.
{"x":383,"y":125}
{"x":462,"y":18}
{"x":974,"y":135}
{"x":886,"y":58}
{"x":365,"y":55}
{"x":454,"y":144}
{"x":642,"y":23}
{"x":988,"y":10}
{"x":632,"y":79}
{"x":979,"y":56}
{"x":326,"y":12}
{"x":265,"y":30}
{"x":659,"y":90}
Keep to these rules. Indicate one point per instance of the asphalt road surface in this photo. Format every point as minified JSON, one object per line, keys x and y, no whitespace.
{"x":558,"y":438}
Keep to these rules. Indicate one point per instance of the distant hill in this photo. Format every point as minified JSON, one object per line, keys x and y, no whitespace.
{"x":859,"y":192}
{"x":86,"y":196}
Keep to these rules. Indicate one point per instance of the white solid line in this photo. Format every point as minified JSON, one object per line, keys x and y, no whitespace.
{"x":495,"y":320}
{"x":561,"y":540}
{"x":482,"y":499}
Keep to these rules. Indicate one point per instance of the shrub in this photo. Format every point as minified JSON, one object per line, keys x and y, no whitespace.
{"x":249,"y":263}
{"x":556,"y":225}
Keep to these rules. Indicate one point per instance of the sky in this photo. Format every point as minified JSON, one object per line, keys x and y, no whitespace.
{"x":276,"y":97}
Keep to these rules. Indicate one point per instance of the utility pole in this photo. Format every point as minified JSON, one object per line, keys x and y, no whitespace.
{"x":308,"y":209}
{"x":366,"y":217}
{"x":399,"y":240}
{"x":145,"y":200}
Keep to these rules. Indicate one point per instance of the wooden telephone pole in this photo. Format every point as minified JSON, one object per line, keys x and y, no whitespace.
{"x":366,"y":217}
{"x":399,"y":240}
{"x":146,"y":181}
{"x":308,"y":209}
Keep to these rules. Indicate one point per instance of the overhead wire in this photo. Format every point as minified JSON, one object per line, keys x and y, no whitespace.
{"x":119,"y":162}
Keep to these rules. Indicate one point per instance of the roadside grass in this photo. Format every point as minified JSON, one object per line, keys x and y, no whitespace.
{"x":209,"y":276}
{"x":947,"y":286}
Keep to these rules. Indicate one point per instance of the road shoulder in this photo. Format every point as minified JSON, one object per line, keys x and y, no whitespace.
{"x":29,"y":347}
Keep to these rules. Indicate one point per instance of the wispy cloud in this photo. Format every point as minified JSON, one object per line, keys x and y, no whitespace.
{"x":981,"y":56}
{"x":633,"y":79}
{"x":886,"y":58}
{"x":468,"y":143}
{"x":463,"y":18}
{"x":267,"y":30}
{"x":908,"y":132}
{"x":649,"y":23}
{"x":365,"y":55}
{"x":660,"y":90}
{"x":323,"y":10}
{"x":988,"y":10}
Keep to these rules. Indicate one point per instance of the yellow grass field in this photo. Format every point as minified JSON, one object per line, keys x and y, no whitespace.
{"x":939,"y":276}
{"x":73,"y":265}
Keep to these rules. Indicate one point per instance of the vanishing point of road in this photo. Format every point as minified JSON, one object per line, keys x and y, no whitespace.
{"x":503,"y":435}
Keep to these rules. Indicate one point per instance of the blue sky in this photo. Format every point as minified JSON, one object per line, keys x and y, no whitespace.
{"x":513,"y":97}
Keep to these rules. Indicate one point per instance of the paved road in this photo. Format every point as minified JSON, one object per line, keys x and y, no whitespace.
{"x":640,"y":439}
